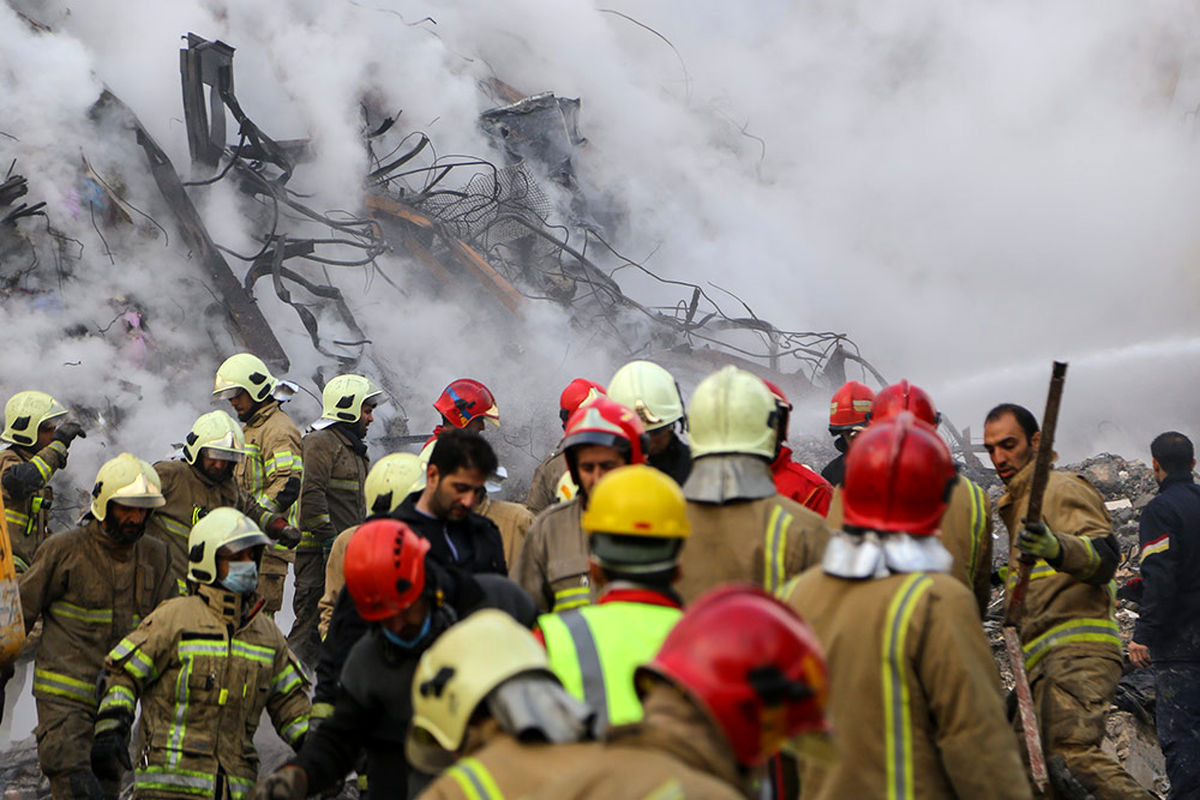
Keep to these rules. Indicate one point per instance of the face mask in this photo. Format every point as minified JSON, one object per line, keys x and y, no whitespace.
{"x":409,"y":644}
{"x":242,"y":577}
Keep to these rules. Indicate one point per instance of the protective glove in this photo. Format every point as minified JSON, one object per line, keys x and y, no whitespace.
{"x":110,"y":752}
{"x":280,"y":531}
{"x":289,"y":494}
{"x":1038,"y":540}
{"x":69,"y":431}
{"x":286,"y":783}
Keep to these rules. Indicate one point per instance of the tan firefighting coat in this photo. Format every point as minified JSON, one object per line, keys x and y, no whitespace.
{"x":674,"y":752}
{"x":335,"y":579}
{"x":332,"y":498}
{"x":28,"y":520}
{"x":273,"y":455}
{"x":89,"y":592}
{"x":190,"y":494}
{"x":914,"y":697}
{"x":552,"y":565}
{"x":764,"y":541}
{"x":204,"y":675}
{"x":966,"y":531}
{"x":502,"y":767}
{"x":513,"y":520}
{"x":1060,"y":607}
{"x":543,"y":489}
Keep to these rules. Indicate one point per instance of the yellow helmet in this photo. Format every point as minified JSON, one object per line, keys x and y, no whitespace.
{"x":732,"y":412}
{"x":391,"y":480}
{"x":126,"y":480}
{"x":637,"y":500}
{"x":649,"y":390}
{"x":452,"y":679}
{"x":343,"y":397}
{"x":221,"y":527}
{"x":244,"y":372}
{"x":218,"y":433}
{"x":25,"y":412}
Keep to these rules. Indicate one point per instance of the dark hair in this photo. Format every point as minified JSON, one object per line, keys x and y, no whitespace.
{"x":1023,"y":415}
{"x":1173,"y":451}
{"x":457,"y":449}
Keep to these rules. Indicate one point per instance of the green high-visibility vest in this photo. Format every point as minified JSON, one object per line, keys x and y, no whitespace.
{"x":594,"y":651}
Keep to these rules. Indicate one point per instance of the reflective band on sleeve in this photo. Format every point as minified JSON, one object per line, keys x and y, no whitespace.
{"x":20,"y":564}
{"x":295,"y":729}
{"x":671,"y":790}
{"x":1040,"y":570}
{"x":475,"y":780}
{"x":978,"y":528}
{"x":286,"y":681}
{"x":117,"y":697}
{"x":60,"y":685}
{"x":775,"y":543}
{"x":576,"y":596}
{"x":93,"y":616}
{"x":1104,"y":631}
{"x":14,"y":517}
{"x":42,"y":467}
{"x":238,"y":787}
{"x":1160,"y":545}
{"x":173,"y":525}
{"x":896,"y":710}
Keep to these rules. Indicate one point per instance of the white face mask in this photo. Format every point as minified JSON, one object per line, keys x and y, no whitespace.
{"x":242,"y":577}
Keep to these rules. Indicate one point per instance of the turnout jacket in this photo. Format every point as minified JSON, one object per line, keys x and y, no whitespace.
{"x":331,"y":500}
{"x":916,"y":700}
{"x":764,"y":541}
{"x":335,"y":579}
{"x":204,"y":670}
{"x":800,"y":483}
{"x":552,"y":564}
{"x":543,"y":489}
{"x":513,"y":520}
{"x":1169,"y":534}
{"x":1069,"y":602}
{"x":89,"y":592}
{"x":274,"y":454}
{"x":25,"y":486}
{"x":472,"y":543}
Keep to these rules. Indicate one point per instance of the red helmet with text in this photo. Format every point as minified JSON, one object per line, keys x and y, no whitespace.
{"x":753,"y":664}
{"x":849,"y":407}
{"x":384,"y":568}
{"x":578,"y":392}
{"x":604,"y":422}
{"x":467,"y":399}
{"x":898,"y":477}
{"x":904,"y":396}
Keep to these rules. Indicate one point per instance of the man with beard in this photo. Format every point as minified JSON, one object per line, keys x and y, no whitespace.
{"x":202,"y":481}
{"x":442,"y":512}
{"x":271,"y":470}
{"x":90,"y":586}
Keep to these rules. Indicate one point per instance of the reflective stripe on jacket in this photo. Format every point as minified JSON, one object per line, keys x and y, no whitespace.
{"x":274,"y":453}
{"x":332,"y":498}
{"x":28,"y":519}
{"x":552,"y":564}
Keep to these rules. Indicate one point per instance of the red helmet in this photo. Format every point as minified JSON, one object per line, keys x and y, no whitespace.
{"x":384,"y":568}
{"x":464,"y":400}
{"x":849,"y":407}
{"x":605,"y":422}
{"x":898,"y":477}
{"x":752,"y":664}
{"x":578,"y":392}
{"x":903,"y":396}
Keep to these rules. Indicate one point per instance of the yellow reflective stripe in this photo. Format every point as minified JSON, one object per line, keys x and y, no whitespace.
{"x":671,"y":790}
{"x":173,"y":525}
{"x":44,"y":469}
{"x":295,"y":729}
{"x":178,"y":781}
{"x":1039,"y":571}
{"x":16,"y":517}
{"x":475,"y":780}
{"x":574,"y":597}
{"x":786,"y":590}
{"x":773,"y":556}
{"x":286,"y":680}
{"x":117,"y":697}
{"x":178,"y":726}
{"x":101,"y":616}
{"x":897,"y":713}
{"x":343,"y":484}
{"x":190,"y":648}
{"x":322,"y":710}
{"x":108,"y":724}
{"x":1093,"y":557}
{"x":263,"y":655}
{"x":238,"y":787}
{"x":978,"y":527}
{"x":56,"y":683}
{"x":1104,"y":631}
{"x":181,"y":585}
{"x":20,"y":563}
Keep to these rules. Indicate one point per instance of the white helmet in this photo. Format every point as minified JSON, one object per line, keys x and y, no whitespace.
{"x":650,"y":391}
{"x":218,"y":433}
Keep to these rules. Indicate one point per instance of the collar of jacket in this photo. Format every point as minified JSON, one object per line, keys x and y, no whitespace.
{"x":676,"y":725}
{"x":874,"y":555}
{"x":627,"y":592}
{"x":1183,"y":476}
{"x":226,"y":605}
{"x":261,"y":414}
{"x":350,"y":436}
{"x":1019,"y":485}
{"x":785,"y":455}
{"x":727,"y":478}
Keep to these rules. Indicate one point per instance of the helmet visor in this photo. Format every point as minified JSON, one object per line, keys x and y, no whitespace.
{"x":242,"y":542}
{"x":222,"y":453}
{"x":227,"y":393}
{"x":139,"y":501}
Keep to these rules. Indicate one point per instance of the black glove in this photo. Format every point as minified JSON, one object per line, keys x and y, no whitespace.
{"x":110,"y":752}
{"x":280,"y":531}
{"x":68,"y":432}
{"x":289,"y":494}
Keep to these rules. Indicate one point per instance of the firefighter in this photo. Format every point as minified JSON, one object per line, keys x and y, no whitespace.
{"x":465,"y":404}
{"x":442,"y":511}
{"x":331,"y":500}
{"x":204,"y":668}
{"x":499,"y":719}
{"x":738,"y":677}
{"x":388,"y":482}
{"x":925,"y":720}
{"x":512,"y":519}
{"x":272,"y":467}
{"x":90,"y":586}
{"x":553,"y":564}
{"x":396,"y":603}
{"x":848,"y":412}
{"x":653,"y":394}
{"x":636,"y":523}
{"x":1070,"y":636}
{"x":793,"y":479}
{"x":544,"y":487}
{"x":38,"y":439}
{"x":202,"y":481}
{"x":742,"y":529}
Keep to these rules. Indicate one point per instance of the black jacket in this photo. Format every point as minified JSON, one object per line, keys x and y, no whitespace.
{"x":1169,"y":536}
{"x":675,"y":460}
{"x":835,"y":471}
{"x":473,"y":543}
{"x":368,"y":679}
